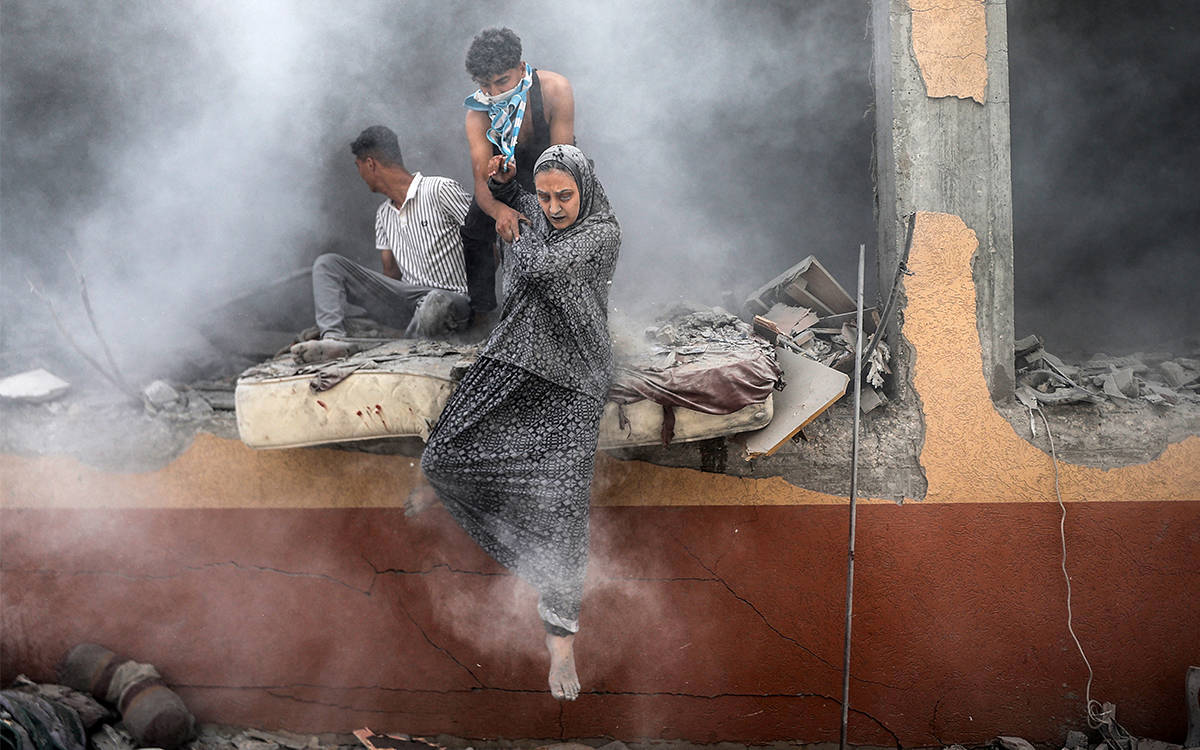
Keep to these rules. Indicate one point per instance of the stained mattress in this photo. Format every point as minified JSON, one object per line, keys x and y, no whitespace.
{"x":398,"y":389}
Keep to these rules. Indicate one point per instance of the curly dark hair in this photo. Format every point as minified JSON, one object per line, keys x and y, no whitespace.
{"x":380,"y":143}
{"x":492,"y":52}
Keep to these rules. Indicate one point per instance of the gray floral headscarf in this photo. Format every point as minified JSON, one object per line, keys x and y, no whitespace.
{"x":593,"y":202}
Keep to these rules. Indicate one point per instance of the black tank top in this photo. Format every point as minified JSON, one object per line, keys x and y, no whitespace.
{"x":528,"y":151}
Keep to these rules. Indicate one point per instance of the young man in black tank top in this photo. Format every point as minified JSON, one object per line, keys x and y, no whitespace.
{"x":495,"y":64}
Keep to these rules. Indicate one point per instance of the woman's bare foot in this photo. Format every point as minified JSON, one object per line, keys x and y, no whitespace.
{"x":564,"y":682}
{"x":421,"y":498}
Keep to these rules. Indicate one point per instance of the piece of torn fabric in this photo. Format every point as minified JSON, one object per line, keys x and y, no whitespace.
{"x":715,"y":383}
{"x":30,"y":722}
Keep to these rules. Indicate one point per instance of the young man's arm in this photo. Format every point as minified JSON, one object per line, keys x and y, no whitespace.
{"x":390,"y":269}
{"x":559,"y":102}
{"x":481,"y":153}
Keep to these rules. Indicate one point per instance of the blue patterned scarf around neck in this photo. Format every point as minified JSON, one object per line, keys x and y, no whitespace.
{"x":506,"y":111}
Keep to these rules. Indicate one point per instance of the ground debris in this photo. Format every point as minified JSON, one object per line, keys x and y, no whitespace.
{"x":1012,"y":743}
{"x":1156,"y":378}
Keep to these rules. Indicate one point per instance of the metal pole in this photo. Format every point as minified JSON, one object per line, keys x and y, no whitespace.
{"x":858,"y":351}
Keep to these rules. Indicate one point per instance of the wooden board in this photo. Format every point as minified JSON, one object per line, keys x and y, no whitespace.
{"x":811,"y":389}
{"x":809,"y":284}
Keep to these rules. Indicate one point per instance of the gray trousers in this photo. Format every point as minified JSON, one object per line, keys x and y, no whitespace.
{"x":343,"y":288}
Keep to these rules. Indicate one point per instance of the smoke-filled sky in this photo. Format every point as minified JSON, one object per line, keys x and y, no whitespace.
{"x":187,"y":151}
{"x":1106,"y":173}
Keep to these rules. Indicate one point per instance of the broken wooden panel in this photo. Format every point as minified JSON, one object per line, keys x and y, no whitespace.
{"x":949,"y":39}
{"x":790,"y":319}
{"x":807,"y":283}
{"x":811,"y":389}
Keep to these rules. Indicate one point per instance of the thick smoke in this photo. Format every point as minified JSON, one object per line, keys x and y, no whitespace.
{"x":1106,"y":153}
{"x":186,"y":153}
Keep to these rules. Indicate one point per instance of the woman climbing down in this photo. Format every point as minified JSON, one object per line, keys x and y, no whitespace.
{"x":511,"y":456}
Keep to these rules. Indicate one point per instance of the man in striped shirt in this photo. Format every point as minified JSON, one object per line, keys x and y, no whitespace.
{"x":423,"y":286}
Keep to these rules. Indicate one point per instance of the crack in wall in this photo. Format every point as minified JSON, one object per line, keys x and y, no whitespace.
{"x":188,"y":568}
{"x":437,"y":646}
{"x":775,"y":630}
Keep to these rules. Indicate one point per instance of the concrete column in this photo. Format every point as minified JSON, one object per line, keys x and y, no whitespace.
{"x":942,"y":144}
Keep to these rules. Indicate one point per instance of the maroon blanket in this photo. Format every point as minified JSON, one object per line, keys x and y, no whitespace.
{"x":714,"y":383}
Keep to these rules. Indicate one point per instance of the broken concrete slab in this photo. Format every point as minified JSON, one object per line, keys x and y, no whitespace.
{"x":33,"y":386}
{"x":1012,"y":743}
{"x":810,"y":389}
{"x":1027,"y":344}
{"x":1123,"y":378}
{"x":1147,"y":744}
{"x":870,"y":399}
{"x":1112,"y":387}
{"x":1176,"y":374}
{"x":160,"y":395}
{"x":1076,"y":740}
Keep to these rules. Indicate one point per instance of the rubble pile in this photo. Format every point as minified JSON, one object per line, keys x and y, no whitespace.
{"x":1043,"y":378}
{"x":805,"y":310}
{"x":685,"y":331}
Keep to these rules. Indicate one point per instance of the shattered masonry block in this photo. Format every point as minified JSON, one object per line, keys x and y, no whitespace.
{"x":159,"y":394}
{"x":1177,"y":376}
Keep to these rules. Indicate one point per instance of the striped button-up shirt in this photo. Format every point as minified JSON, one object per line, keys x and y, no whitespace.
{"x":423,"y":234}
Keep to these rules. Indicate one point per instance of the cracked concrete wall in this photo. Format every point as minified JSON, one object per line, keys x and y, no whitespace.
{"x":287,"y":589}
{"x":707,"y":624}
{"x":942,"y":144}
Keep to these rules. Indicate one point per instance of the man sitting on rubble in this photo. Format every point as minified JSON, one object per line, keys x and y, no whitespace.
{"x":422,"y":289}
{"x":518,"y":112}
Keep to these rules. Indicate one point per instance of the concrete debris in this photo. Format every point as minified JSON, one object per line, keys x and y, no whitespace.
{"x":33,"y":387}
{"x":870,"y":399}
{"x":1012,"y":743}
{"x":109,"y":737}
{"x":1076,"y":740}
{"x":243,"y":742}
{"x":1156,"y":377}
{"x":614,"y":745}
{"x":281,"y":738}
{"x":1145,"y":744}
{"x":159,"y":395}
{"x":90,"y":710}
{"x":1177,"y":375}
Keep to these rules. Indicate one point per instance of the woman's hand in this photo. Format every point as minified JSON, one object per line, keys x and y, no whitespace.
{"x":499,"y":172}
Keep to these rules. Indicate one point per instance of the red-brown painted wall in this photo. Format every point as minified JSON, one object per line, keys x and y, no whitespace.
{"x":708,"y":624}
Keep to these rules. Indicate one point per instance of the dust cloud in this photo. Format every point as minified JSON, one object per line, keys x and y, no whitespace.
{"x":187,"y":153}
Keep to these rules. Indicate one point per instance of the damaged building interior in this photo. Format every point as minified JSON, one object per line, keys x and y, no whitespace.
{"x":204,"y":542}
